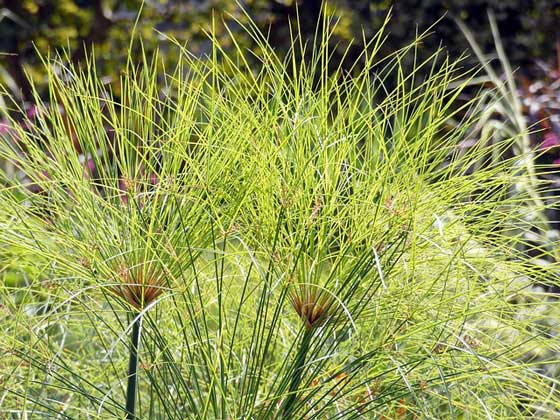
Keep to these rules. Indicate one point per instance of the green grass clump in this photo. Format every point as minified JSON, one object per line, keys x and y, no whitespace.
{"x":286,"y":241}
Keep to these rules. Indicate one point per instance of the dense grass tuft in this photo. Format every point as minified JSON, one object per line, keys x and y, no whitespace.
{"x":295,"y":243}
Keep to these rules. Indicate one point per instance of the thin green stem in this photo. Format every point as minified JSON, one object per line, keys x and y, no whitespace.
{"x":133,"y":369}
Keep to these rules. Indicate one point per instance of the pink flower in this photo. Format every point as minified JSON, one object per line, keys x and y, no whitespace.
{"x":4,"y":127}
{"x":91,"y":164}
{"x":32,"y":111}
{"x":551,"y":140}
{"x":89,"y":167}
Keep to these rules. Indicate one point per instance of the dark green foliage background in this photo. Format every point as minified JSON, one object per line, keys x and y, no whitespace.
{"x":529,"y":28}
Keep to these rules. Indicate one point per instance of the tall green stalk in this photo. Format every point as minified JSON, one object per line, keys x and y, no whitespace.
{"x":133,"y":369}
{"x":299,"y":363}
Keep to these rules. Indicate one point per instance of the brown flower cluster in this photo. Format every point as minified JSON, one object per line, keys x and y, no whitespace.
{"x":311,"y":303}
{"x":139,"y":285}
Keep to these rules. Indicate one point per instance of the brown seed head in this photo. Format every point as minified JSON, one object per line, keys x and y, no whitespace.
{"x":316,"y":210}
{"x":139,"y":285}
{"x":312,"y":304}
{"x":84,"y":261}
{"x":128,"y":184}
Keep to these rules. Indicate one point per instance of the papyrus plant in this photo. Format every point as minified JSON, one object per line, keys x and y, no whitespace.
{"x":298,"y":241}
